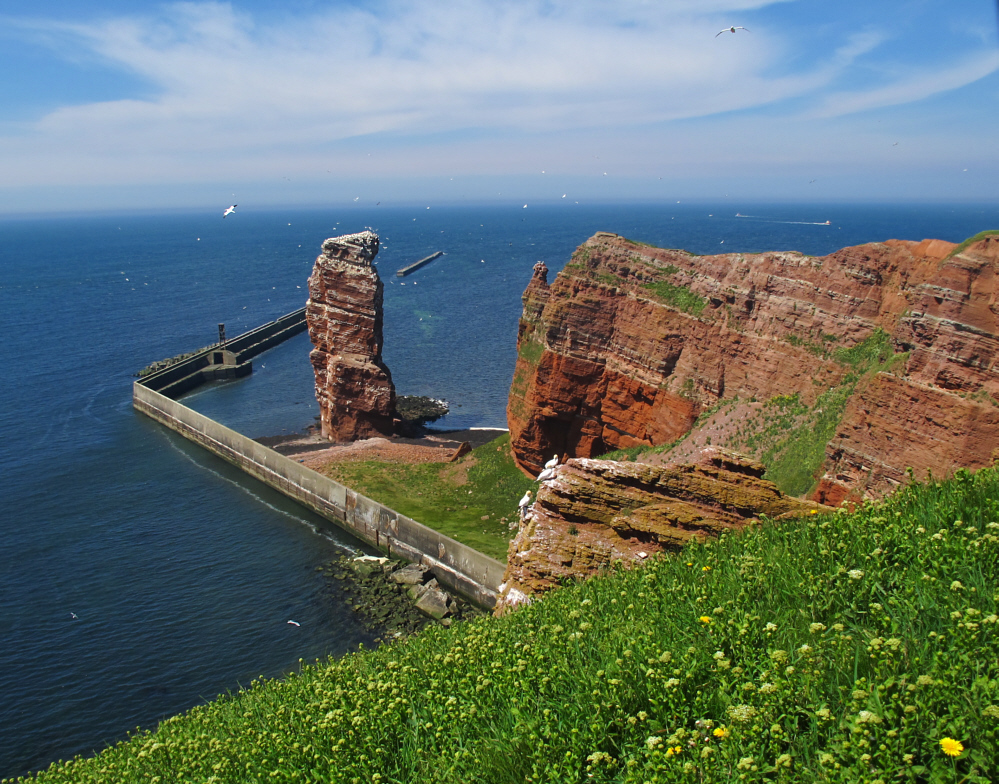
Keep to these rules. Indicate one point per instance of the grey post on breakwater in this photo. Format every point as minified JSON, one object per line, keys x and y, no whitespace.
{"x":456,"y":566}
{"x":416,"y":265}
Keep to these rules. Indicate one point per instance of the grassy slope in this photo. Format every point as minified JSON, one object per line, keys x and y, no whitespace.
{"x":451,"y":498}
{"x":838,"y":648}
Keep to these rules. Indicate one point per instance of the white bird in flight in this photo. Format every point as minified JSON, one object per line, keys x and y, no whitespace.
{"x":229,"y":210}
{"x":731,"y":30}
{"x":294,"y":623}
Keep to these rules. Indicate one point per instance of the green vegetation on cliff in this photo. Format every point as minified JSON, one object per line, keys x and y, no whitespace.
{"x":840,"y":648}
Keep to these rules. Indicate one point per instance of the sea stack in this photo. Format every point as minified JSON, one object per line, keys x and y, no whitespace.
{"x":344,"y":314}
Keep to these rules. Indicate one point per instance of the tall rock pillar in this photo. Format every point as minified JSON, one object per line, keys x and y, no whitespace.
{"x":344,"y":315}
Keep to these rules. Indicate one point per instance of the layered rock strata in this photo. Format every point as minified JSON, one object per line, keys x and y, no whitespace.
{"x":631,"y":343}
{"x":344,"y":315}
{"x":595,"y":512}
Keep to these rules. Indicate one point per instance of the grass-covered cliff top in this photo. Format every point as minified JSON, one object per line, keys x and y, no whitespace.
{"x":842,"y":648}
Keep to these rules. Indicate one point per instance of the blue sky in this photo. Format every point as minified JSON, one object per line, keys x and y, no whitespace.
{"x":113,"y":103}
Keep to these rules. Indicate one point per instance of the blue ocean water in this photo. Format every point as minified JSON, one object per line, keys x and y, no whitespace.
{"x":183,"y":572}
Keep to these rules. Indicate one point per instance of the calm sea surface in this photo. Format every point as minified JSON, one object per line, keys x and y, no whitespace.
{"x":183,"y":572}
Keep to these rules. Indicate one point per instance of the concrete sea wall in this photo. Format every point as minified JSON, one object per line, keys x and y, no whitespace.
{"x":456,"y":566}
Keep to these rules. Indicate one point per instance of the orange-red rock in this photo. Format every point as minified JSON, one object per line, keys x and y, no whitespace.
{"x":344,"y":314}
{"x":595,"y":512}
{"x":631,"y":343}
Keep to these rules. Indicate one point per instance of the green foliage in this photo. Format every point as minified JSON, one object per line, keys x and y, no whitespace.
{"x":530,"y":351}
{"x":679,"y":297}
{"x":451,"y":498}
{"x":972,"y":240}
{"x":837,"y":648}
{"x":874,"y":350}
{"x":794,"y":460}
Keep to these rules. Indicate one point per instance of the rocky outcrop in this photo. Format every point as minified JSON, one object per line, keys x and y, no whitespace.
{"x":631,"y":343}
{"x":596,"y":512}
{"x":344,"y":314}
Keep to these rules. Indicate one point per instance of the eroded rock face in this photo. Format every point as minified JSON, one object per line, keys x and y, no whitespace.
{"x":344,"y":314}
{"x":595,"y":512}
{"x":631,"y":343}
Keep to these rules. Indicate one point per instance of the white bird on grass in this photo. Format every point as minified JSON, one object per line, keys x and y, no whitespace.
{"x":732,"y":30}
{"x":229,"y":210}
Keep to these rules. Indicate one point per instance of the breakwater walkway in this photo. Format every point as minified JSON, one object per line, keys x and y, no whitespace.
{"x":456,"y":566}
{"x":417,"y":264}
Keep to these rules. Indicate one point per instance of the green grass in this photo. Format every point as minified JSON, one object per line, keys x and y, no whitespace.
{"x":452,"y":497}
{"x":875,"y":349}
{"x":972,"y":240}
{"x":679,"y":297}
{"x":840,"y":648}
{"x":793,"y":462}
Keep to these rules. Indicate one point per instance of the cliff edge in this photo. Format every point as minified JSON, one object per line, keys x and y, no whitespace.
{"x":884,"y":353}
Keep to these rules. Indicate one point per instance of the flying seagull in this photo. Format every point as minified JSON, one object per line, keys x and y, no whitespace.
{"x":294,"y":623}
{"x":731,"y":30}
{"x":229,"y":210}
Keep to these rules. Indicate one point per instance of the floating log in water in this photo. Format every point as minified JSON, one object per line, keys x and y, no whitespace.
{"x":415,"y":266}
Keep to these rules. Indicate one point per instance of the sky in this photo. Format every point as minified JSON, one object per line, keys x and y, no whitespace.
{"x":126,"y":104}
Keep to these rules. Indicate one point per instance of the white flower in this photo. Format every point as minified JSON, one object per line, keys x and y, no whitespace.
{"x":771,"y":627}
{"x":653,"y":742}
{"x":855,"y":574}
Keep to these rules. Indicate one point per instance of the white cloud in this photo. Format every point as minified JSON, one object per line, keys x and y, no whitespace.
{"x":915,"y":87}
{"x":236,"y":95}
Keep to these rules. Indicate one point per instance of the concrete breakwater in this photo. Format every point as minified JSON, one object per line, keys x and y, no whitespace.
{"x":456,"y":566}
{"x":417,"y":264}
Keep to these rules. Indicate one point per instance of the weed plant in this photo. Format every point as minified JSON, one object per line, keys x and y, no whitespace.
{"x":842,"y":648}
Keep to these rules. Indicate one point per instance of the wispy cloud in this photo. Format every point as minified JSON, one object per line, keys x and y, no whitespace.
{"x":235,"y":94}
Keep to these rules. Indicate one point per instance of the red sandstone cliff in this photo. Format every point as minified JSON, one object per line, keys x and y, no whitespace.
{"x":631,"y":343}
{"x":344,"y":314}
{"x":595,"y":512}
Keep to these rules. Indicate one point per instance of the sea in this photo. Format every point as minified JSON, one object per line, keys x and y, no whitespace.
{"x":140,"y":575}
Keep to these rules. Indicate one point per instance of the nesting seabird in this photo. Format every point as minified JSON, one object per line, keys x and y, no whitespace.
{"x":545,"y":475}
{"x":523,"y":503}
{"x":553,"y":462}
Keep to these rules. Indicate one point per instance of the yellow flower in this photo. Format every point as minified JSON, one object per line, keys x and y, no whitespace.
{"x":814,"y":511}
{"x":720,"y":732}
{"x":951,"y":747}
{"x":705,"y":619}
{"x":706,"y":569}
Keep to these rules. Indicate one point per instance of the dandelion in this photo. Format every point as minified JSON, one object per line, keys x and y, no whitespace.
{"x":951,"y":747}
{"x":721,"y":732}
{"x":813,"y":511}
{"x":856,"y":574}
{"x":705,"y":619}
{"x":706,"y":569}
